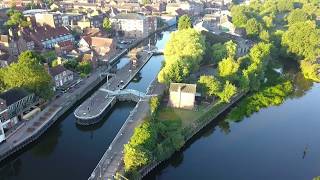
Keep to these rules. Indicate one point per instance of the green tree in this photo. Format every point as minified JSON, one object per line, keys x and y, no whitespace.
{"x":239,"y":16}
{"x":209,"y":85}
{"x":16,"y":19}
{"x":231,"y":48}
{"x":184,"y":22}
{"x":229,"y":90}
{"x":135,"y":157}
{"x":219,"y":52}
{"x":310,"y":70}
{"x":264,"y":36}
{"x":84,"y":67}
{"x":28,"y":73}
{"x":297,"y":15}
{"x":228,"y":68}
{"x":268,"y":21}
{"x":107,"y":25}
{"x":253,"y":27}
{"x":302,"y":39}
{"x":183,"y":53}
{"x":154,"y":105}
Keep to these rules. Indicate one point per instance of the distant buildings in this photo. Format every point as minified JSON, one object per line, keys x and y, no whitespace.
{"x":12,"y":105}
{"x":16,"y":42}
{"x":133,"y":25}
{"x":182,"y":95}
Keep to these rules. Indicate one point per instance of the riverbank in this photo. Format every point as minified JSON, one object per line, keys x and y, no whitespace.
{"x":34,"y":128}
{"x":201,"y":120}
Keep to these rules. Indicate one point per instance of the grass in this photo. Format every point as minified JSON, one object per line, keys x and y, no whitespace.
{"x":187,"y":117}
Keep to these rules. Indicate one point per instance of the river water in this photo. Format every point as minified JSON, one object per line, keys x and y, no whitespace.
{"x":68,"y":151}
{"x":277,"y":143}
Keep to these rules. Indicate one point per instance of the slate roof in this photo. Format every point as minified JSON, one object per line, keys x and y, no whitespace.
{"x":186,"y":88}
{"x":14,"y":95}
{"x":57,"y":70}
{"x":129,"y":16}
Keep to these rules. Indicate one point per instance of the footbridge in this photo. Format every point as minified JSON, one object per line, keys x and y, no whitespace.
{"x":125,"y":94}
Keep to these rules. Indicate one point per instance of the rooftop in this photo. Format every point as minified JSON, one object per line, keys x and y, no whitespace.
{"x":129,"y":16}
{"x":187,"y":88}
{"x":13,"y":95}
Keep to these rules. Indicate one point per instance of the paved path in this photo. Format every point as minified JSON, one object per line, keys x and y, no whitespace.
{"x":111,"y":162}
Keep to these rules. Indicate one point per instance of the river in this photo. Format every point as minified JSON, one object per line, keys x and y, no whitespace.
{"x":68,"y":151}
{"x":276,"y":143}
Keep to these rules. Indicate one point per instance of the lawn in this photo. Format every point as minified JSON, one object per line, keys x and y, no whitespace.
{"x":186,"y":116}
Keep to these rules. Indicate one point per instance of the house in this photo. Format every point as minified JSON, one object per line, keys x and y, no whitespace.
{"x":103,"y":47}
{"x":16,"y":42}
{"x":47,"y":37}
{"x":182,"y":95}
{"x":60,"y":75}
{"x":12,"y":105}
{"x":133,"y":25}
{"x":51,"y":19}
{"x":191,"y":7}
{"x":64,"y":47}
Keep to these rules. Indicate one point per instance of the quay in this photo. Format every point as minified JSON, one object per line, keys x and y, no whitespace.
{"x":91,"y":110}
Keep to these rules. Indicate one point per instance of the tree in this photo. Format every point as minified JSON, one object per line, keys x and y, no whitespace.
{"x":264,"y":36}
{"x":209,"y":85}
{"x":28,"y":73}
{"x":16,"y":19}
{"x":268,"y":21}
{"x":253,"y":27}
{"x":228,"y":68}
{"x":231,"y":48}
{"x":229,"y":90}
{"x":154,"y":105}
{"x":310,"y":70}
{"x":297,"y":15}
{"x":84,"y":67}
{"x":135,"y":157}
{"x":107,"y":25}
{"x":54,"y":63}
{"x":239,"y":16}
{"x":219,"y":52}
{"x":183,"y":53}
{"x":302,"y":39}
{"x":184,"y":22}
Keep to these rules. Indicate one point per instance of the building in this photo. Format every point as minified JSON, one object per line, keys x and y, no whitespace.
{"x":12,"y":105}
{"x":60,"y":75}
{"x":133,"y":25}
{"x":105,"y":48}
{"x":47,"y":37}
{"x":51,"y":19}
{"x":63,"y":48}
{"x":182,"y":95}
{"x":16,"y":42}
{"x":191,"y":7}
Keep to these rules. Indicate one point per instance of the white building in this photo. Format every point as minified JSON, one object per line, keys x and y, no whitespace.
{"x":133,"y":25}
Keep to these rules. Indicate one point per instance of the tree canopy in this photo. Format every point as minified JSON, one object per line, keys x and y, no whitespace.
{"x":28,"y":73}
{"x":184,"y":22}
{"x":303,"y":39}
{"x":183,"y":53}
{"x":107,"y":25}
{"x":16,"y":19}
